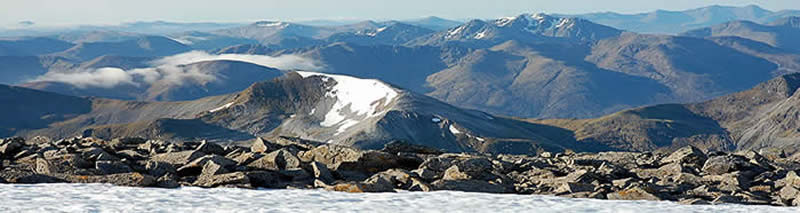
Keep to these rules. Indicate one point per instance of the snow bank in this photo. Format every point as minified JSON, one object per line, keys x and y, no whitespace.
{"x":107,"y":198}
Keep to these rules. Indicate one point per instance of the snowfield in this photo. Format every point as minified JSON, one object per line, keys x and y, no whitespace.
{"x":355,"y":97}
{"x":108,"y":198}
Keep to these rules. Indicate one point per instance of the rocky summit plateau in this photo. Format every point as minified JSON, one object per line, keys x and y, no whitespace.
{"x":687,"y":175}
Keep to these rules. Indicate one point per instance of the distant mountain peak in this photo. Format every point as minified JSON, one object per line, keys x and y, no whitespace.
{"x":276,"y":24}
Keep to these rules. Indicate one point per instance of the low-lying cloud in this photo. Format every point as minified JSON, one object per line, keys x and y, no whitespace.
{"x":171,"y":70}
{"x":102,"y":78}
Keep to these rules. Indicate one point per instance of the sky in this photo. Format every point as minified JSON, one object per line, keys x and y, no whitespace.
{"x":19,"y":13}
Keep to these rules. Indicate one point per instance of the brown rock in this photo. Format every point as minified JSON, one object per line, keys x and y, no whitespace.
{"x":635,"y":193}
{"x":236,"y":178}
{"x":277,"y":160}
{"x":124,"y":179}
{"x":178,"y":158}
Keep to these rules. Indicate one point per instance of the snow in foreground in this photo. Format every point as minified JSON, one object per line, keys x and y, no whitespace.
{"x":107,"y":198}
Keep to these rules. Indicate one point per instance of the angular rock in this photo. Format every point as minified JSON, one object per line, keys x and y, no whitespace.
{"x":158,"y":169}
{"x":575,"y":188}
{"x":223,"y":179}
{"x":686,"y":155}
{"x":399,"y":178}
{"x":263,"y":146}
{"x":395,"y":147}
{"x":130,"y":154}
{"x":297,"y":143}
{"x":635,"y":193}
{"x":124,"y":179}
{"x":472,"y":168}
{"x":277,"y":160}
{"x":213,"y":168}
{"x":772,"y":153}
{"x":112,"y":167}
{"x":91,"y":154}
{"x":126,"y":143}
{"x":178,"y":158}
{"x":718,"y":165}
{"x":265,"y":179}
{"x":322,"y":173}
{"x":434,"y":168}
{"x":62,"y":164}
{"x":374,"y":184}
{"x":419,"y":185}
{"x":196,"y":166}
{"x":349,"y":159}
{"x":733,"y":181}
{"x":211,"y":148}
{"x":10,"y":147}
{"x":167,"y":181}
{"x":470,"y":186}
{"x":295,"y":175}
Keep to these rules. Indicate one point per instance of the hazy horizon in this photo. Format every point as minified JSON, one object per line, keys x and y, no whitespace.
{"x":50,"y":13}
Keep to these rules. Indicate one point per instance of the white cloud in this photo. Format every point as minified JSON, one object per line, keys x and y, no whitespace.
{"x":170,"y":70}
{"x":283,"y":62}
{"x":102,"y":78}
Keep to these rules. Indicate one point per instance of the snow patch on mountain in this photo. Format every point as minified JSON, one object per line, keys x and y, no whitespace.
{"x":356,"y":99}
{"x":221,"y":108}
{"x":454,"y":130}
{"x":272,"y":24}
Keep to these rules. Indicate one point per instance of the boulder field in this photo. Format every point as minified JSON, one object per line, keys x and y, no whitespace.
{"x":688,"y":175}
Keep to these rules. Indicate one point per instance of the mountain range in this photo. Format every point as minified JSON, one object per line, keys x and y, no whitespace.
{"x":674,"y":22}
{"x":369,"y":113}
{"x":517,"y":84}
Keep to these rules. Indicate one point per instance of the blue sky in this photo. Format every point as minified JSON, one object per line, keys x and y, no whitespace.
{"x":70,"y":12}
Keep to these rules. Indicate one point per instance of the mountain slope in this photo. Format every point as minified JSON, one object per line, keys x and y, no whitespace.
{"x":561,"y":79}
{"x":24,"y":108}
{"x":147,"y":46}
{"x":31,"y":46}
{"x":322,"y":107}
{"x":765,"y":116}
{"x":782,"y":33}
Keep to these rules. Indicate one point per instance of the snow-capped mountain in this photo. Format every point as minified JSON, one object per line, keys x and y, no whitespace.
{"x":369,"y":113}
{"x":525,"y":27}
